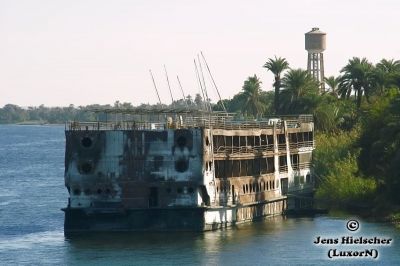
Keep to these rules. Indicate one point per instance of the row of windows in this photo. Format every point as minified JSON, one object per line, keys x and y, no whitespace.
{"x":301,"y":136}
{"x":240,"y":141}
{"x":108,"y":191}
{"x":260,"y":186}
{"x":236,"y":168}
{"x":88,"y":191}
{"x":294,"y":159}
{"x":250,"y":188}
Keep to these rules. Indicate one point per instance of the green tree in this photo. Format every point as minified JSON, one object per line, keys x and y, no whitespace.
{"x":385,"y":74}
{"x":300,"y":91}
{"x":277,"y":66}
{"x":357,"y":77}
{"x":380,"y":142}
{"x":250,"y":97}
{"x":333,"y":83}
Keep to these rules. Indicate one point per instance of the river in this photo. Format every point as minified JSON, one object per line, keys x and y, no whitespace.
{"x":32,"y":193}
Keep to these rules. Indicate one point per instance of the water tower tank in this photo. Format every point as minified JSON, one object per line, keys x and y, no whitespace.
{"x":315,"y":41}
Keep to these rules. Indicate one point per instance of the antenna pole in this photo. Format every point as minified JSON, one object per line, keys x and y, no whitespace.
{"x":155,"y":87}
{"x":169,"y":87}
{"x":204,"y":83}
{"x":183,"y":94}
{"x":215,"y":85}
{"x":198,"y":77}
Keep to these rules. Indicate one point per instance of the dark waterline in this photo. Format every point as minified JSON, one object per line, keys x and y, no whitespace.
{"x":32,"y":193}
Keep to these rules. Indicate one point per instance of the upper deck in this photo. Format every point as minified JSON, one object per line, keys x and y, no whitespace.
{"x":167,"y":118}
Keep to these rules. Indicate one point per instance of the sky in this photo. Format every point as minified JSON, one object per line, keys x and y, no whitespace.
{"x":82,"y":52}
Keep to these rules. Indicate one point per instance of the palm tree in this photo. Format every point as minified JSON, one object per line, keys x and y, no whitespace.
{"x":297,"y":83}
{"x":385,"y":73}
{"x":389,"y":66}
{"x":357,"y":77}
{"x":250,"y":97}
{"x":333,"y":83}
{"x":277,"y":66}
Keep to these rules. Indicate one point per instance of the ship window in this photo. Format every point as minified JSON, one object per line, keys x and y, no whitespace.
{"x":263,"y":165}
{"x":270,"y":139}
{"x":179,"y":190}
{"x":99,"y":191}
{"x":108,"y":191}
{"x":77,"y":191}
{"x":244,"y":189}
{"x":270,"y":165}
{"x":257,"y":141}
{"x":235,"y":141}
{"x":247,"y":188}
{"x":250,"y":167}
{"x":181,"y":165}
{"x":256,"y":166}
{"x":242,"y":141}
{"x":236,"y":168}
{"x":86,"y":168}
{"x":191,"y":190}
{"x":86,"y":142}
{"x":229,"y":141}
{"x":281,"y":139}
{"x":250,"y":141}
{"x":181,"y":141}
{"x":263,"y":185}
{"x":243,"y":167}
{"x":308,"y":178}
{"x":263,"y":138}
{"x":87,"y":191}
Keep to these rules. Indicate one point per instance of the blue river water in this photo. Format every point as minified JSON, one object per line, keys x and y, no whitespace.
{"x":32,"y":193}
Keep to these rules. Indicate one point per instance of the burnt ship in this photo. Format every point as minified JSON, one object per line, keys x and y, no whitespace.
{"x":171,"y":169}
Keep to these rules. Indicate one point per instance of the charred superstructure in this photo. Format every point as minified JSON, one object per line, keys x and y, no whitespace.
{"x":170,"y":169}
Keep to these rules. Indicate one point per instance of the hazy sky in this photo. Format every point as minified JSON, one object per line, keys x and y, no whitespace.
{"x":96,"y":51}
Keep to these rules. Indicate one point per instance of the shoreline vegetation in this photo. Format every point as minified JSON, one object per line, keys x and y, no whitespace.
{"x":357,"y":122}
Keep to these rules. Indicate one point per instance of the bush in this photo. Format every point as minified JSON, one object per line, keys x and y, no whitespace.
{"x":341,"y":187}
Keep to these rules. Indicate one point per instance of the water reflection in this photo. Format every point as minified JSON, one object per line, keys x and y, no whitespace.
{"x":205,"y":248}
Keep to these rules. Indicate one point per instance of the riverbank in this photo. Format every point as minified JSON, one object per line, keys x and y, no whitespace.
{"x":376,"y":213}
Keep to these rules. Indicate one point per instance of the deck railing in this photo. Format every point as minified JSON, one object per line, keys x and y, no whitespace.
{"x":262,"y":148}
{"x":296,"y":167}
{"x":214,"y":122}
{"x":243,"y":149}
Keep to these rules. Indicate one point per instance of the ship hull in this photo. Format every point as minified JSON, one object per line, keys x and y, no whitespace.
{"x":169,"y":219}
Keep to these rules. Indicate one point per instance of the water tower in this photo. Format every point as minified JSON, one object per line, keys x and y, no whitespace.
{"x":315,"y":45}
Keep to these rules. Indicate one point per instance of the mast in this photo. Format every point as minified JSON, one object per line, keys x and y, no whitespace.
{"x":169,"y":87}
{"x":183,"y":94}
{"x":200,"y":85}
{"x":215,"y":85}
{"x":155,"y":86}
{"x":204,"y":84}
